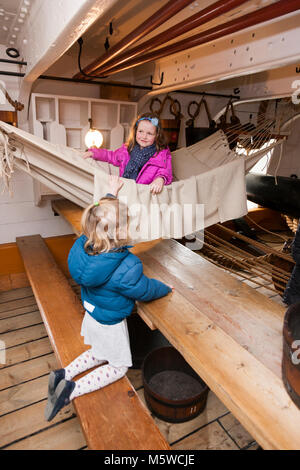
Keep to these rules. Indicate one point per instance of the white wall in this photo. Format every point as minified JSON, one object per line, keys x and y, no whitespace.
{"x":19,"y":216}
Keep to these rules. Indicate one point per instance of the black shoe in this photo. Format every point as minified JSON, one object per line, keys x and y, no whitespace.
{"x":59,"y":399}
{"x":54,"y":378}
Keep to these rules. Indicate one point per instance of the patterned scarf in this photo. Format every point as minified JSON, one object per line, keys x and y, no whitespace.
{"x":138,"y":158}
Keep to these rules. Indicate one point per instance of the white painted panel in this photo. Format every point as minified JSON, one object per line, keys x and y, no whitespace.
{"x":47,"y":228}
{"x":23,"y":211}
{"x":20,"y":193}
{"x":19,"y":216}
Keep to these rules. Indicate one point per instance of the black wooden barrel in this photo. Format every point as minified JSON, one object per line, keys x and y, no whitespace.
{"x":172,"y":389}
{"x":291,"y":352}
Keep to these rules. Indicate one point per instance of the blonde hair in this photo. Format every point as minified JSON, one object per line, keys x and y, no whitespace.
{"x":160,"y":140}
{"x":105,"y":224}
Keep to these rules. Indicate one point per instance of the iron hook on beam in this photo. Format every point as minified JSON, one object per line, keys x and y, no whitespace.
{"x":161,"y":80}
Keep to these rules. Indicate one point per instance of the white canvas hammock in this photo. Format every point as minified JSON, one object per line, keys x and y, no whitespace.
{"x":208,"y":187}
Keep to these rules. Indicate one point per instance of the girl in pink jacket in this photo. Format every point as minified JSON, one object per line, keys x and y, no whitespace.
{"x":144,"y":158}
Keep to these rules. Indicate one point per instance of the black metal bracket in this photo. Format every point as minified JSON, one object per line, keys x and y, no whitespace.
{"x":106,"y":44}
{"x":161,"y":80}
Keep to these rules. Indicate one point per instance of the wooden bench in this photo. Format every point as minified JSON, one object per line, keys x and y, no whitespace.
{"x":112,"y":418}
{"x":230,"y":334}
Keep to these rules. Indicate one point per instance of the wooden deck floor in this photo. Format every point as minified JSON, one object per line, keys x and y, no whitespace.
{"x":23,"y":389}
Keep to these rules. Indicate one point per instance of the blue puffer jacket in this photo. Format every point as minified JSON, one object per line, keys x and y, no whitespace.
{"x":111,"y":282}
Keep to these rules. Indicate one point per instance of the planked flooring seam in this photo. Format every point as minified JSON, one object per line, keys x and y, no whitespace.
{"x":23,"y":407}
{"x":24,"y":382}
{"x":26,"y":360}
{"x":19,"y":314}
{"x":4,"y":300}
{"x":194,"y":431}
{"x":26,"y":342}
{"x":226,"y":432}
{"x":21,"y":328}
{"x":11,"y":309}
{"x":23,"y":438}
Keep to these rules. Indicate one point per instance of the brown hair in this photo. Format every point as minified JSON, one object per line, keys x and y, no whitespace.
{"x":105,"y":224}
{"x":160,"y":140}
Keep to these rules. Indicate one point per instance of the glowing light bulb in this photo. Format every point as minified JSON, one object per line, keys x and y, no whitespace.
{"x":93,"y":138}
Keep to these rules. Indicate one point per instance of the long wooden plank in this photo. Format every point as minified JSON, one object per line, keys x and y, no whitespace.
{"x":192,"y":319}
{"x":25,"y":394}
{"x":63,"y":436}
{"x":26,"y":371}
{"x":25,"y":335}
{"x":15,"y":294}
{"x":7,"y":307}
{"x":14,"y":312}
{"x":112,"y":418}
{"x":21,"y":321}
{"x":27,"y":421}
{"x":27,"y":351}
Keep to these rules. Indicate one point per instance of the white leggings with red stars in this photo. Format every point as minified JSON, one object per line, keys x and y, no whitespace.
{"x":98,"y":378}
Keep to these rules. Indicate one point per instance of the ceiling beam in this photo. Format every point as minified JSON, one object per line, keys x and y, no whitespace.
{"x":158,"y":18}
{"x":200,"y":18}
{"x":270,"y":12}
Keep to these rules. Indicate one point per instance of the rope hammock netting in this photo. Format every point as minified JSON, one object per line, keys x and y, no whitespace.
{"x":251,"y":260}
{"x":209,"y":177}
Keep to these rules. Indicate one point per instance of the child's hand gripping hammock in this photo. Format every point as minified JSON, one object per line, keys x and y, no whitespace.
{"x":208,"y":187}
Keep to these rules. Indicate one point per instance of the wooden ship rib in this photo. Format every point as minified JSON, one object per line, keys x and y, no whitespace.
{"x":107,"y":61}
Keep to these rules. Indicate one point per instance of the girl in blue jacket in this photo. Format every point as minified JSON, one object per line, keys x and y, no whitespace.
{"x":111,"y":280}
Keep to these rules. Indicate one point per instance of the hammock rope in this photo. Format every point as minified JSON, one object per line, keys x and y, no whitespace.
{"x":259,"y":263}
{"x":261,"y":270}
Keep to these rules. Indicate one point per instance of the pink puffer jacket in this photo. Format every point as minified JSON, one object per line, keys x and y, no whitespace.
{"x":159,"y":165}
